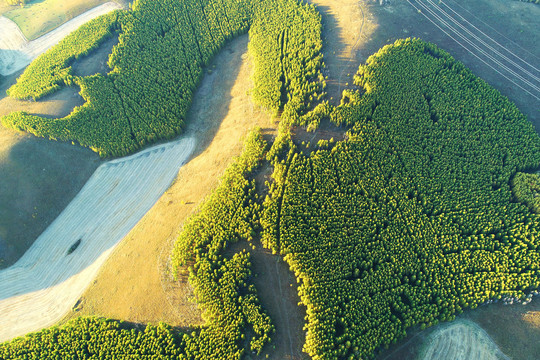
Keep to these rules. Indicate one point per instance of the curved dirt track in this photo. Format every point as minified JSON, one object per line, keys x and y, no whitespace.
{"x":16,"y":52}
{"x":461,"y":340}
{"x":47,"y":281}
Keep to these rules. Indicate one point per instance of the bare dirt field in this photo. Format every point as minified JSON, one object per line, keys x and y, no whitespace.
{"x":44,"y":284}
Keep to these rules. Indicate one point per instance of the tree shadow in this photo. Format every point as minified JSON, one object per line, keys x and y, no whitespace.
{"x":39,"y":179}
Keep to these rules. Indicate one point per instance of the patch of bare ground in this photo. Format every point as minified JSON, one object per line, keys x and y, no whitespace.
{"x":461,"y":339}
{"x":347,"y":26}
{"x":134,"y":285}
{"x":97,"y":62}
{"x":514,"y":328}
{"x":56,"y":105}
{"x":307,"y":140}
{"x":278,"y":293}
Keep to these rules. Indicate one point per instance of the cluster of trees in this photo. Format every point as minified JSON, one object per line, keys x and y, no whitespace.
{"x":222,"y":283}
{"x":526,"y":188}
{"x":411,"y":219}
{"x":155,"y":68}
{"x":236,"y":322}
{"x":95,"y":338}
{"x":158,"y":63}
{"x":285,"y":42}
{"x":51,"y":70}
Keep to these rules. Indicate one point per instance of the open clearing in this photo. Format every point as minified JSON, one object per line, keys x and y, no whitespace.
{"x":461,"y":340}
{"x":45,"y":283}
{"x":40,"y":17}
{"x":16,"y":52}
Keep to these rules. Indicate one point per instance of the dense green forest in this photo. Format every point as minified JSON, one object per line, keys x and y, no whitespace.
{"x":164,"y":45}
{"x":427,"y":207}
{"x":412,"y":219}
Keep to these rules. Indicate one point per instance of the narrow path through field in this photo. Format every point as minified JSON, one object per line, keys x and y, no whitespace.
{"x":347,"y":25}
{"x":45,"y":283}
{"x":16,"y":51}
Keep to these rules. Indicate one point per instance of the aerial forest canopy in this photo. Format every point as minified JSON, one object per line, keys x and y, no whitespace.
{"x":426,"y":208}
{"x":411,"y":219}
{"x":163,"y":48}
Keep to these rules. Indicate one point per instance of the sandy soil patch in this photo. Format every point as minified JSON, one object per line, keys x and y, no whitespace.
{"x":16,"y":52}
{"x":347,"y":26}
{"x":45,"y":283}
{"x":461,"y":340}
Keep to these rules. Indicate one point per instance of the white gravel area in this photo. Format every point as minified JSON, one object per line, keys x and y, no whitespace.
{"x":16,"y":52}
{"x":47,"y":281}
{"x":461,"y":340}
